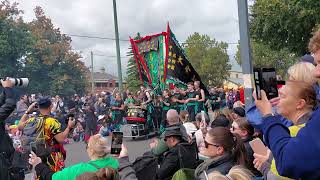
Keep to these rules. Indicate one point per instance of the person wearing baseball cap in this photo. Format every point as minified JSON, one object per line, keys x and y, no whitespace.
{"x":53,"y":135}
{"x":308,"y":58}
{"x":238,"y":112}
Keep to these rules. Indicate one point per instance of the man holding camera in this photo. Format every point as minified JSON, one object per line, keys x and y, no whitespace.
{"x":7,"y":106}
{"x":49,"y":129}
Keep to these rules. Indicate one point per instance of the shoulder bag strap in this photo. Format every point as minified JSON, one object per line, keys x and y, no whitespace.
{"x":180,"y":156}
{"x":40,"y":130}
{"x":94,"y":165}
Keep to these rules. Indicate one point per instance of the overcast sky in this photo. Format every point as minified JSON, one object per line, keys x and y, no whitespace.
{"x":216,"y":18}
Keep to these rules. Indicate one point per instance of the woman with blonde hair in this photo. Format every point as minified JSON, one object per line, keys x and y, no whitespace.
{"x":297,"y":101}
{"x":236,"y":172}
{"x":302,"y":72}
{"x":295,"y":157}
{"x":228,"y":114}
{"x":184,"y":116}
{"x":98,"y":151}
{"x":103,"y":174}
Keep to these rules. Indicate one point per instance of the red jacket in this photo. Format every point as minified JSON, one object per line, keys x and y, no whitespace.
{"x":241,"y":91}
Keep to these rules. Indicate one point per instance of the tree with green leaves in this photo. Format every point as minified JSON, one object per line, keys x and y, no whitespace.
{"x":264,"y":56}
{"x":280,"y":31}
{"x":209,"y":58}
{"x":284,"y":23}
{"x":15,"y":40}
{"x":133,"y":79}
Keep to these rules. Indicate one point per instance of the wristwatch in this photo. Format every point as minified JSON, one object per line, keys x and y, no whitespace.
{"x":27,"y":112}
{"x":268,"y":115}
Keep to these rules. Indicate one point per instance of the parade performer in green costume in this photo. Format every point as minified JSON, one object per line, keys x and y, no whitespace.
{"x":214,"y":99}
{"x":178,"y":101}
{"x":191,"y":101}
{"x":130,"y":101}
{"x":147,"y":101}
{"x":117,"y":112}
{"x":202,"y":98}
{"x":165,"y":102}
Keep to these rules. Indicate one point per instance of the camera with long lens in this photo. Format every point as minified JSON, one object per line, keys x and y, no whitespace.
{"x":19,"y":82}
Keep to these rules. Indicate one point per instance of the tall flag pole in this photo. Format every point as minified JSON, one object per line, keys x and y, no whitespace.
{"x":167,"y":53}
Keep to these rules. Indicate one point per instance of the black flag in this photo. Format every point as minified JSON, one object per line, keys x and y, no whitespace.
{"x":178,"y":67}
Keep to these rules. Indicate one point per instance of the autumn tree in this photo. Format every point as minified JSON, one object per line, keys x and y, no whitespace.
{"x":39,"y":51}
{"x":55,"y":68}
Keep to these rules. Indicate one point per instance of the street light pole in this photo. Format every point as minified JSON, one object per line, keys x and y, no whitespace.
{"x":92,"y":78}
{"x":117,"y":45}
{"x":245,"y":52}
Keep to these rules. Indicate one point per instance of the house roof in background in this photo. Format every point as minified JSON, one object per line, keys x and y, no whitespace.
{"x":236,"y":67}
{"x":238,"y":81}
{"x":106,"y":76}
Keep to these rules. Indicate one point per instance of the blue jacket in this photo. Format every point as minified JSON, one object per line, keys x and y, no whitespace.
{"x":255,"y":118}
{"x":296,"y":157}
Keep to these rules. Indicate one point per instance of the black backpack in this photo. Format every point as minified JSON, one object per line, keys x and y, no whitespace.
{"x":8,"y":169}
{"x":146,"y":166}
{"x":32,"y":139}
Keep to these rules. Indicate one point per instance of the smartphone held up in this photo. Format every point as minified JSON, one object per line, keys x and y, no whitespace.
{"x":258,"y":147}
{"x":116,"y":143}
{"x":265,"y":79}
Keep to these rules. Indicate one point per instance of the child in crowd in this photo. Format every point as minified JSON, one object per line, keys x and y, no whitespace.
{"x":15,"y":135}
{"x":105,"y":129}
{"x":190,"y":126}
{"x":78,"y":133}
{"x":130,"y":101}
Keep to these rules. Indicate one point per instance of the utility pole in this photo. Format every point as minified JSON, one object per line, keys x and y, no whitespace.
{"x":245,"y":52}
{"x":117,"y":45}
{"x":92,"y":79}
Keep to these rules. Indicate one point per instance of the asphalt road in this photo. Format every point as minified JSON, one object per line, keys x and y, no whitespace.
{"x":76,"y":152}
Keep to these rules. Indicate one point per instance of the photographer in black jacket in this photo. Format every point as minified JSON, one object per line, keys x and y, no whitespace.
{"x":7,"y":105}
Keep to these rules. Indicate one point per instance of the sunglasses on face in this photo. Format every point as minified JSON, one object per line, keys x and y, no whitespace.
{"x":206,"y":144}
{"x":234,"y":128}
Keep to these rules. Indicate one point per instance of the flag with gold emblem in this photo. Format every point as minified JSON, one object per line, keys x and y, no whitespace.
{"x":161,"y":61}
{"x":149,"y":45}
{"x":149,"y":54}
{"x":177,"y":64}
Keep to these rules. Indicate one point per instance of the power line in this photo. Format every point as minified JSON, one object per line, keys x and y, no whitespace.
{"x":127,"y":40}
{"x":96,"y":37}
{"x":103,"y":55}
{"x":229,"y":43}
